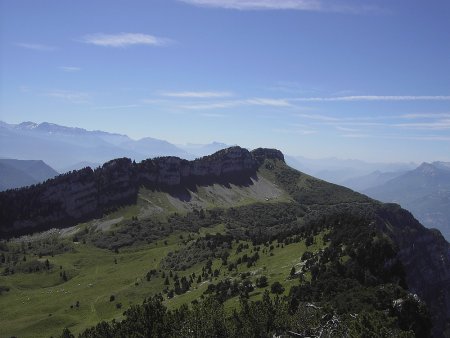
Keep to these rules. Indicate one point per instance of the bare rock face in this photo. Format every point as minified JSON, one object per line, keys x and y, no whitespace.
{"x":226,"y":161}
{"x":173,"y":171}
{"x":71,"y":198}
{"x":261,"y":154}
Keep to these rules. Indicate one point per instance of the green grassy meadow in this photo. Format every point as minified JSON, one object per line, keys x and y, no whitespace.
{"x":41,"y":304}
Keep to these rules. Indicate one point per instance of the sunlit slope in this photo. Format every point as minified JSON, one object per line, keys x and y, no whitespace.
{"x":231,"y":234}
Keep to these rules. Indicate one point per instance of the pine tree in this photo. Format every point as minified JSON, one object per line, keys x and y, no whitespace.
{"x":292,"y":273}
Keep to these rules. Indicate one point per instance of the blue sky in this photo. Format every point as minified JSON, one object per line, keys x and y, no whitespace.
{"x":351,"y":79}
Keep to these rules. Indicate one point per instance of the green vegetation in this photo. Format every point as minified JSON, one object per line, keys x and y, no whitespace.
{"x":250,"y":270}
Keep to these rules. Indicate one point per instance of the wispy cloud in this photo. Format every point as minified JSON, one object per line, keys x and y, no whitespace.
{"x":69,"y":69}
{"x":266,"y":102}
{"x":425,"y":116}
{"x":124,"y":40}
{"x":300,"y":5}
{"x":317,"y":117}
{"x":374,"y":98}
{"x":294,"y":88}
{"x":418,"y":138}
{"x":355,"y":135}
{"x":68,"y":95}
{"x":259,"y":4}
{"x":118,"y":107}
{"x":346,"y":129}
{"x":208,"y":106}
{"x":36,"y":46}
{"x":197,"y":95}
{"x":442,"y":124}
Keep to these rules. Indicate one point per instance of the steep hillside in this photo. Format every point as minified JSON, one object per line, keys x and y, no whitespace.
{"x":81,"y":195}
{"x":20,"y":173}
{"x":225,"y":228}
{"x":424,"y":191}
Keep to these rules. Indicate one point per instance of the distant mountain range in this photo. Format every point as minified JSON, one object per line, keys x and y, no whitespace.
{"x":67,"y":148}
{"x":21,"y":173}
{"x":425,"y":191}
{"x":374,"y":179}
{"x":343,"y":171}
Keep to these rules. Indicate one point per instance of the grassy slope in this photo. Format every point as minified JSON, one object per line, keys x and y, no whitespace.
{"x":39,"y":304}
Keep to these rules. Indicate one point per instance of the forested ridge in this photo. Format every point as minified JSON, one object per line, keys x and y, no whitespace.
{"x":325,"y":261}
{"x":353,"y":287}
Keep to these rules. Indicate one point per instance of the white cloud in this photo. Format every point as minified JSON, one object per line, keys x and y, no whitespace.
{"x":36,"y":46}
{"x":124,"y":40}
{"x":266,"y":102}
{"x":311,"y":5}
{"x":118,"y":107}
{"x":432,"y":138}
{"x":419,"y":138}
{"x":435,"y":125}
{"x":213,"y":105}
{"x":70,"y":69}
{"x":355,"y":135}
{"x":317,"y":117}
{"x":374,"y":98}
{"x":342,"y":6}
{"x":425,"y":116}
{"x":197,"y":95}
{"x":349,"y":130}
{"x":68,"y":95}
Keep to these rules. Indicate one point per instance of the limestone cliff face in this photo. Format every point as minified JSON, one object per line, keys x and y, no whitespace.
{"x":172,"y":171}
{"x":80,"y":195}
{"x":261,"y":154}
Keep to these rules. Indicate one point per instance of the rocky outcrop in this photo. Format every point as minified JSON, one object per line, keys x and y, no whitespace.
{"x":261,"y":154}
{"x":79,"y":195}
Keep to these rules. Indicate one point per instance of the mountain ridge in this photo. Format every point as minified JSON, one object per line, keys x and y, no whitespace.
{"x":424,"y":191}
{"x":81,"y":194}
{"x":84,"y":194}
{"x":19,"y":173}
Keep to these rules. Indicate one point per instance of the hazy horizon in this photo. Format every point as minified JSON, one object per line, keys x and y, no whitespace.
{"x":351,"y":81}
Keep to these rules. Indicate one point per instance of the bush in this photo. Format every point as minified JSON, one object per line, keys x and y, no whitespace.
{"x":261,"y":282}
{"x":277,"y":288}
